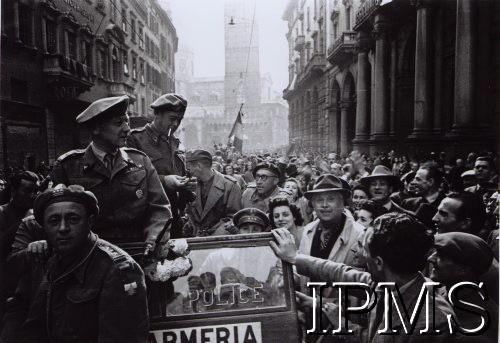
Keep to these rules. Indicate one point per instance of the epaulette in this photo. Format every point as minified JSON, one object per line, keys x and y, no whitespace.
{"x":138,"y":129}
{"x":230,"y":178}
{"x":120,"y":258}
{"x":70,"y":153}
{"x":134,"y":150}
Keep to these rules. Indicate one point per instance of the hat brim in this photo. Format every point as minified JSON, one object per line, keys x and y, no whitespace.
{"x":308,"y":195}
{"x":393,"y":179}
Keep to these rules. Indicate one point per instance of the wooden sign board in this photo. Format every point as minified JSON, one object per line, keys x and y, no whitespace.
{"x":238,"y":291}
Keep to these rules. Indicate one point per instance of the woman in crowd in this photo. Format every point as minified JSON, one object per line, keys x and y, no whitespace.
{"x":298,"y":199}
{"x":359,"y":196}
{"x":367,"y":213}
{"x":284,"y":214}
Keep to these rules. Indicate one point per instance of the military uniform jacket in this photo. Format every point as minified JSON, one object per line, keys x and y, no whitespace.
{"x":133,"y":206}
{"x":101,"y":297}
{"x":223,"y":201}
{"x":251,"y":198}
{"x":164,"y":154}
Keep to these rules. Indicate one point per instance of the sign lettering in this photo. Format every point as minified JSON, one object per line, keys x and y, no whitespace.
{"x":231,"y":333}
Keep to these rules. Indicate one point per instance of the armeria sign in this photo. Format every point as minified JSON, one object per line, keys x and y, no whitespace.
{"x":230,"y":333}
{"x":394,"y":307}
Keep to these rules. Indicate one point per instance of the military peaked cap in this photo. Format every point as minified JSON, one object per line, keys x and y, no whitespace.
{"x":60,"y":193}
{"x":106,"y":107}
{"x":170,"y":101}
{"x":251,"y":215}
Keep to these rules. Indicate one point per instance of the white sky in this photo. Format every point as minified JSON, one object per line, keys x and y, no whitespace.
{"x":200,"y":26}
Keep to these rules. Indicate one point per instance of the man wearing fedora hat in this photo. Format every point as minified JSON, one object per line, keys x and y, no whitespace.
{"x":134,"y":206}
{"x":334,"y":234}
{"x":381,"y":183}
{"x":267,"y":177}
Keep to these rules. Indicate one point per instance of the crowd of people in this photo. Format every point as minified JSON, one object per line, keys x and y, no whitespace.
{"x":67,"y":273}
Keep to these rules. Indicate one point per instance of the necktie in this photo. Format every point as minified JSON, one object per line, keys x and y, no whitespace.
{"x":108,"y":161}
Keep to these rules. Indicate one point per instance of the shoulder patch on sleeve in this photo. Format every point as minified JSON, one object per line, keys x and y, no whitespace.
{"x":120,"y":258}
{"x":71,"y":153}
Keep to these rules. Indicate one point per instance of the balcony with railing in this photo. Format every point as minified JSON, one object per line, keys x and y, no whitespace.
{"x":315,"y":66}
{"x":63,"y":72}
{"x":342,"y":48}
{"x":299,"y":42}
{"x":365,"y":11}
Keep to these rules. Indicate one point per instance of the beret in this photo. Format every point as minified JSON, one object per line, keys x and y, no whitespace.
{"x":197,"y":155}
{"x":251,"y":215}
{"x":466,"y":249}
{"x":106,"y":107}
{"x":171,"y":102}
{"x":268,"y":166}
{"x":59,"y":193}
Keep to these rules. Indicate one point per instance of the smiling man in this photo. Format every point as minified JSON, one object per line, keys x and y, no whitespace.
{"x":134,"y":207}
{"x":267,"y":176}
{"x":92,"y":290}
{"x":381,"y":184}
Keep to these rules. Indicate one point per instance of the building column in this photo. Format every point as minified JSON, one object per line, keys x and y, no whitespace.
{"x":44,"y":35}
{"x":51,"y":141}
{"x":380,"y":128}
{"x":464,"y":66}
{"x":16,"y":21}
{"x":333,"y":128}
{"x":392,"y":106}
{"x":438,"y":71}
{"x":363,"y":88}
{"x":422,"y":124}
{"x":345,"y":111}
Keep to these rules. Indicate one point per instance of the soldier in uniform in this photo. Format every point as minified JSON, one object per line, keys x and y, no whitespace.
{"x":218,"y":198}
{"x":157,"y":140}
{"x":92,"y":290}
{"x":267,"y":177}
{"x":134,"y":206}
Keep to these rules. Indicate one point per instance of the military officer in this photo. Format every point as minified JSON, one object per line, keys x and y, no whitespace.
{"x":218,"y":198}
{"x":134,"y":206}
{"x":157,"y":140}
{"x":267,"y":177}
{"x":92,"y":290}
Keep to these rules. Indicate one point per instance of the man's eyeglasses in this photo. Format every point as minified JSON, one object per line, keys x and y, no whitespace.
{"x":263,"y":177}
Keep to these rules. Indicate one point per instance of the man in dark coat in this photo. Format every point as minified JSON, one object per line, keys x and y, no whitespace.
{"x":157,"y":140}
{"x":92,"y":291}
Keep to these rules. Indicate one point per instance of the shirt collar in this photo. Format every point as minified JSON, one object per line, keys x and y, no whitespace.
{"x":100,"y":154}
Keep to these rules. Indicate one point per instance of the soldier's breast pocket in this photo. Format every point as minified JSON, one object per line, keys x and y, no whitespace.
{"x":132,"y":191}
{"x":81,"y":315}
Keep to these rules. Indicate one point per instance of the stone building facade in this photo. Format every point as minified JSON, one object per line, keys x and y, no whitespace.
{"x":60,"y":55}
{"x":406,"y":75}
{"x":213,"y":103}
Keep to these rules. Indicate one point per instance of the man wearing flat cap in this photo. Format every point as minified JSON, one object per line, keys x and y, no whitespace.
{"x":459,"y":257}
{"x":267,"y":177}
{"x":134,"y":206}
{"x":157,"y":140}
{"x":218,"y":198}
{"x":92,"y":290}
